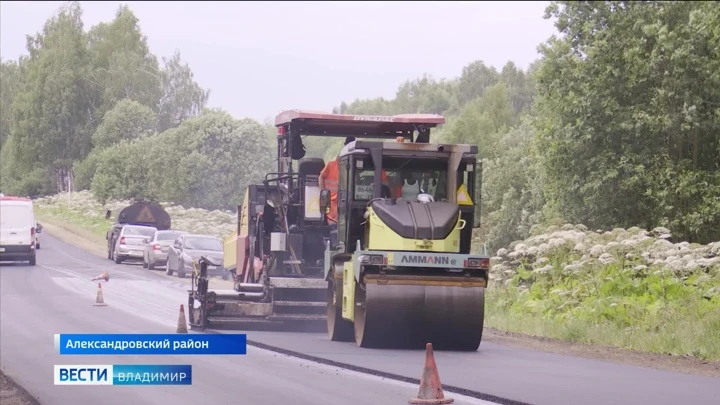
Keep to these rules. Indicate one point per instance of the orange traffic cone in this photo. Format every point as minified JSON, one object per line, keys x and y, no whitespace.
{"x":102,"y":276}
{"x":99,"y":301}
{"x":182,"y":325}
{"x":430,"y":388}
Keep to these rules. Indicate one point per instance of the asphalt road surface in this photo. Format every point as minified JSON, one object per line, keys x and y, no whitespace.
{"x":56,"y":297}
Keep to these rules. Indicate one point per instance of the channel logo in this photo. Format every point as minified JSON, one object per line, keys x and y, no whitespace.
{"x":123,"y":374}
{"x":92,"y":374}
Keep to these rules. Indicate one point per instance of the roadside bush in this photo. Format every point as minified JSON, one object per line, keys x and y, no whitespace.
{"x":651,"y":293}
{"x":205,"y":162}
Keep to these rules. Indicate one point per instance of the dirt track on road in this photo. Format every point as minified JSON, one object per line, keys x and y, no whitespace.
{"x":13,"y":394}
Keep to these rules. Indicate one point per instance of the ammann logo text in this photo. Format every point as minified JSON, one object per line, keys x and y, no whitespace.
{"x":425,"y":259}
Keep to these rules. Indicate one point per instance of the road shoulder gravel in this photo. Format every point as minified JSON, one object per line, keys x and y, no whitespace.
{"x":13,"y":394}
{"x":680,"y":364}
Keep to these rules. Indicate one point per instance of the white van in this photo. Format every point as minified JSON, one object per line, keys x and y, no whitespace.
{"x":17,"y":229}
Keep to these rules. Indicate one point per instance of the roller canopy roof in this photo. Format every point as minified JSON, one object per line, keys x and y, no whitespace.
{"x":320,"y":123}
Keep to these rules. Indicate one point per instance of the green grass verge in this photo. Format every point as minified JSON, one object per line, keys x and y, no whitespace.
{"x":673,"y":329}
{"x":95,"y":228}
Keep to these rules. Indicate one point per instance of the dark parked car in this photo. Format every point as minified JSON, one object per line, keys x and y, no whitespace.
{"x":188,"y":248}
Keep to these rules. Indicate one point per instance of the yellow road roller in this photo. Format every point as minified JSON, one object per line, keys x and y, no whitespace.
{"x":400,"y":270}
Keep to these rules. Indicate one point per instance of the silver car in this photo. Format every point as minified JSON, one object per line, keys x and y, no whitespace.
{"x":156,"y":248}
{"x":188,"y":248}
{"x":131,"y":243}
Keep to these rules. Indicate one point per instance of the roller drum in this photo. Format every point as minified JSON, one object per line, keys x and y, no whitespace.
{"x":402,"y":316}
{"x":386,"y":315}
{"x":454,"y":317}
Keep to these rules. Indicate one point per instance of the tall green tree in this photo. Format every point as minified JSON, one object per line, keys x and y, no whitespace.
{"x":89,"y":103}
{"x":122,"y":65}
{"x":483,"y":121}
{"x":127,"y":120}
{"x":181,"y":97}
{"x":425,"y":95}
{"x":629,"y":117}
{"x":513,"y":188}
{"x":10,"y":84}
{"x":519,"y":86}
{"x":51,"y":120}
{"x":476,"y":77}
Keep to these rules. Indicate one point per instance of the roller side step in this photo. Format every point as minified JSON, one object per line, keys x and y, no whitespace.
{"x":269,"y":318}
{"x":299,"y":304}
{"x":235,"y":319}
{"x":295,"y":283}
{"x":274,"y":322}
{"x":239,"y":324}
{"x":297,"y":317}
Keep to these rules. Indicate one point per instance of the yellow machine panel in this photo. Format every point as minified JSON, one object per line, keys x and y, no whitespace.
{"x":348,"y":299}
{"x":244,"y":218}
{"x":230,"y":244}
{"x":230,"y":251}
{"x":382,"y":237}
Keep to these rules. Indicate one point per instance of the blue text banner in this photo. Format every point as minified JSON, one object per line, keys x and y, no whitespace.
{"x":151,"y":344}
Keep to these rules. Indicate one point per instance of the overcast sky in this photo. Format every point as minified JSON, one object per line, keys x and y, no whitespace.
{"x":259,"y":58}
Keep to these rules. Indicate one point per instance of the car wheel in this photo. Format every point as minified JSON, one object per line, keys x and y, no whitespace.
{"x":151,"y":266}
{"x":118,"y":260}
{"x":32,"y":260}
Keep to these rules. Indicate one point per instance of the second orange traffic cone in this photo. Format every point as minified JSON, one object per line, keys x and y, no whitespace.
{"x":182,"y":324}
{"x":431,"y":391}
{"x":99,"y":301}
